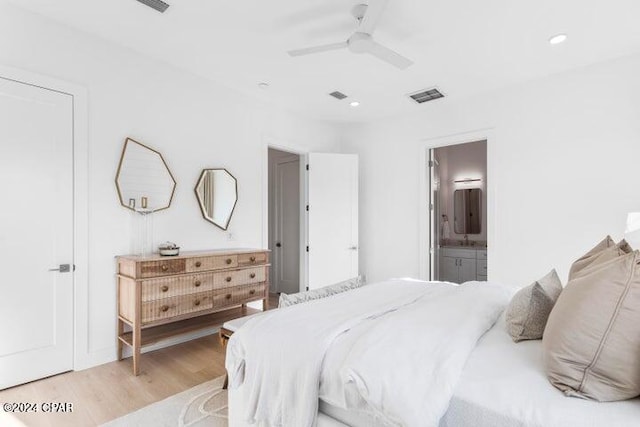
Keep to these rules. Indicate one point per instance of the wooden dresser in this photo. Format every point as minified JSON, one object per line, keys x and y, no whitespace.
{"x":161,"y":297}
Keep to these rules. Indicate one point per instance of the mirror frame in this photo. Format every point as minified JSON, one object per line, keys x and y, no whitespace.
{"x":124,"y":149}
{"x":202,"y":211}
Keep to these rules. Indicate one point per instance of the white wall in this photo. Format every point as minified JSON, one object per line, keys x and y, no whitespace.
{"x":562,"y":171}
{"x":195,"y":123}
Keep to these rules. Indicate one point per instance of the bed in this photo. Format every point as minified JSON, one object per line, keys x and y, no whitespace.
{"x":494,"y":382}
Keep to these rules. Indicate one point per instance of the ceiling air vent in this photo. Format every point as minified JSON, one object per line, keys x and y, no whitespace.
{"x":338,"y":95}
{"x":426,"y":95}
{"x":158,"y":5}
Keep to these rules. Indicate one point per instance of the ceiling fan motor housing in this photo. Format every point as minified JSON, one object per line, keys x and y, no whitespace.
{"x":359,"y":42}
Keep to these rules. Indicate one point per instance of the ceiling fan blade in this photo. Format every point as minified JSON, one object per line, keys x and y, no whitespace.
{"x":388,"y":55}
{"x":372,"y":16}
{"x":317,"y":49}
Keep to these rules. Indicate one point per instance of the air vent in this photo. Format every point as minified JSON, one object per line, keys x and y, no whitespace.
{"x":158,"y":5}
{"x":338,"y":95}
{"x":426,"y":95}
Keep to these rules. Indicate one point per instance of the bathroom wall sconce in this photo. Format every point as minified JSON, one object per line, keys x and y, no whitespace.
{"x":467,"y":180}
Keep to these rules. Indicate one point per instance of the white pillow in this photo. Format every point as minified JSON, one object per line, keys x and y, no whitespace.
{"x":297,"y":298}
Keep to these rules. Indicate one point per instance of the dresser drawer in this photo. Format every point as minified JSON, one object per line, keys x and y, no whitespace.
{"x":252,"y":259}
{"x":175,"y":306}
{"x":162,"y":267}
{"x":238,"y":295}
{"x":211,"y":263}
{"x":153,"y":289}
{"x":228,"y":279}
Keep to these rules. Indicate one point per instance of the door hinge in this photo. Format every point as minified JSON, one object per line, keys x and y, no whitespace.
{"x":307,"y":166}
{"x":307,"y":248}
{"x":431,"y":206}
{"x":430,"y":163}
{"x":307,"y":288}
{"x":307,"y":208}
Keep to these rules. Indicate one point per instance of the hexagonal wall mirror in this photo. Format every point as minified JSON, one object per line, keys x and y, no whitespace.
{"x":217,"y":193}
{"x":144,"y":181}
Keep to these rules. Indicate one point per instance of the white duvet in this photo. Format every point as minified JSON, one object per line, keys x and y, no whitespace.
{"x":409,"y":344}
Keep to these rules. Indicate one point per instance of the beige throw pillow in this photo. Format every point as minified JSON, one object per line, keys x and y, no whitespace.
{"x":529,"y":308}
{"x":591,"y":345}
{"x":588,"y":258}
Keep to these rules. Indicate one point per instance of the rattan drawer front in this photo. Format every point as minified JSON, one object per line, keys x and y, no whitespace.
{"x":238,"y":295}
{"x":162,"y":268}
{"x":228,"y":279}
{"x":176,"y":306}
{"x":252,"y":259}
{"x":167,"y":287}
{"x":212,"y":263}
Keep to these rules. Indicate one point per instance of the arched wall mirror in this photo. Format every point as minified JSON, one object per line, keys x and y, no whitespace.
{"x":217,"y":194}
{"x":143,"y":180}
{"x":466,"y":207}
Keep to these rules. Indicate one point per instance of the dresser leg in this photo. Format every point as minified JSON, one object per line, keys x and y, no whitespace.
{"x":120,"y":332}
{"x":136,"y":350}
{"x":265,"y":304}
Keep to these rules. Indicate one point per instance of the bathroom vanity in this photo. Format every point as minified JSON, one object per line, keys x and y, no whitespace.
{"x":463,"y":263}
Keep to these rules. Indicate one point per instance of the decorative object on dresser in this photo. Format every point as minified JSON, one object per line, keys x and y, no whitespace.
{"x":217,"y":194}
{"x":145,"y":185}
{"x":159,"y":298}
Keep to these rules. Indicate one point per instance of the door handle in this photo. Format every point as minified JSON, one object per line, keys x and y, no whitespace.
{"x":278,"y":245}
{"x":64,"y":268}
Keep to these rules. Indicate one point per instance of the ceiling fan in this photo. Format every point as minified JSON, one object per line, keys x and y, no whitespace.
{"x":361,"y":41}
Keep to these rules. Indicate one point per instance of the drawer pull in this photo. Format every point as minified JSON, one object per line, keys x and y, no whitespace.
{"x":228,"y":296}
{"x":198,"y":264}
{"x":252,"y":275}
{"x":164,"y":267}
{"x":252,"y":259}
{"x":228,"y":261}
{"x":196,"y":302}
{"x":252,"y":291}
{"x":165,"y":288}
{"x":197,"y":283}
{"x":164,"y":308}
{"x":228,"y":278}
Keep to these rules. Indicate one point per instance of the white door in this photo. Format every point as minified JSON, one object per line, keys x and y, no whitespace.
{"x":286,"y":253}
{"x":333,"y":218}
{"x":36,"y":232}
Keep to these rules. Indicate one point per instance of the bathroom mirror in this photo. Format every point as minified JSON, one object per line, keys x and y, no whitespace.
{"x":144,"y":181}
{"x":217,"y":193}
{"x":466,"y":207}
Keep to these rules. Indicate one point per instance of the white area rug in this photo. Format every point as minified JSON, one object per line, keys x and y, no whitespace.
{"x":202,"y":405}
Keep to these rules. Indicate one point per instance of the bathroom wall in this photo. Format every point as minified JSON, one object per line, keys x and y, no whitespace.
{"x":460,"y":162}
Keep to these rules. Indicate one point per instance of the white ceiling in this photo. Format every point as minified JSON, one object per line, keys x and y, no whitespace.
{"x":463,"y":47}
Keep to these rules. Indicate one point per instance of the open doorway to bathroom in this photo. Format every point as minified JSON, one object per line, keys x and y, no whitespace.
{"x":285,"y":218}
{"x":458,"y":208}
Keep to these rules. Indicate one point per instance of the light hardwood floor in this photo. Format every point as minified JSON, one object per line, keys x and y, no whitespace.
{"x":109,"y":391}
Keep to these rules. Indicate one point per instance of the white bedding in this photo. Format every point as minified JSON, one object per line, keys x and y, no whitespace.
{"x":384,"y":358}
{"x":504,"y":385}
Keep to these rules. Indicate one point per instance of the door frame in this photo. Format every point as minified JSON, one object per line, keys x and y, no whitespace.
{"x":80,"y":145}
{"x":302,"y":152}
{"x":424,"y":217}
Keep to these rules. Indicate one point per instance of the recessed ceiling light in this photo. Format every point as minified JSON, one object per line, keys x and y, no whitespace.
{"x":558,"y":38}
{"x":354,"y":103}
{"x":263,"y":85}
